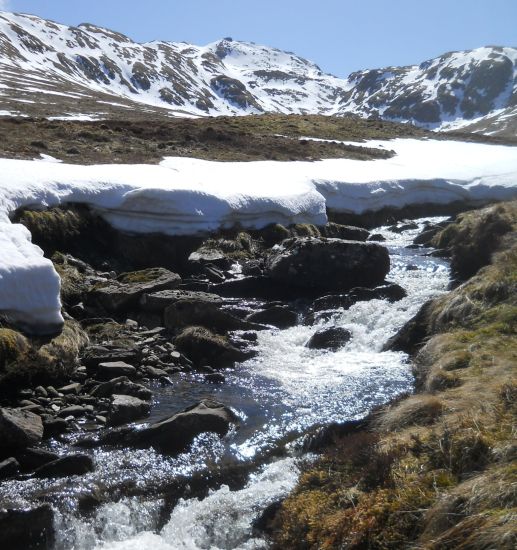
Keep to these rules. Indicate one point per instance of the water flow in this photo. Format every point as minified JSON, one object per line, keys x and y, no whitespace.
{"x":285,"y":390}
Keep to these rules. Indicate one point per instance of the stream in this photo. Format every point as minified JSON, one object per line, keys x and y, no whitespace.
{"x":279,"y":395}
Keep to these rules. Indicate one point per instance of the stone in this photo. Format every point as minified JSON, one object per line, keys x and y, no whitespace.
{"x":72,"y":465}
{"x":19,"y":429}
{"x":174,"y":434}
{"x":41,"y":391}
{"x":25,"y":529}
{"x":121,"y":386}
{"x":317,"y":264}
{"x":412,"y":335}
{"x":94,"y":355}
{"x":153,"y":372}
{"x":74,"y":388}
{"x":330,"y":338}
{"x":204,"y":256}
{"x":156,"y":302}
{"x":195,"y":312}
{"x":202,"y":347}
{"x":9,"y":468}
{"x":376,"y":237}
{"x":278,"y":316}
{"x":347,"y":232}
{"x":54,"y":427}
{"x":73,"y":410}
{"x":124,"y":294}
{"x":33,"y":458}
{"x":114,"y":369}
{"x":125,"y":408}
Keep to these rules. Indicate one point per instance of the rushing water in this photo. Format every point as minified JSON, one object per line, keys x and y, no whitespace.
{"x":283,"y":391}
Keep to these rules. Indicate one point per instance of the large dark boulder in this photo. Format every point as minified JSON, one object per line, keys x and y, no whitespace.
{"x":412,"y":335}
{"x":19,"y":429}
{"x":174,"y":434}
{"x":391,"y":292}
{"x":124,"y":293}
{"x":328,"y":264}
{"x":27,"y":529}
{"x":330,"y":338}
{"x":277,"y":316}
{"x":203,"y":347}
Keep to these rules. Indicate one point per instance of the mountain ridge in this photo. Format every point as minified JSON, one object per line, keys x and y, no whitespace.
{"x":50,"y":69}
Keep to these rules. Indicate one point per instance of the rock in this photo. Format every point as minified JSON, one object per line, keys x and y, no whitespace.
{"x":278,"y":316}
{"x":331,"y":338}
{"x":19,"y":429}
{"x":73,"y":410}
{"x":153,"y":372}
{"x":27,"y":529}
{"x":204,"y":256}
{"x":195,"y":312}
{"x":328,"y":264}
{"x":405,"y":226}
{"x":174,"y":434}
{"x":54,"y":427}
{"x":202,"y":347}
{"x":122,"y":295}
{"x":377,"y":237}
{"x":125,"y":408}
{"x":94,"y":355}
{"x":41,"y":391}
{"x":156,"y":302}
{"x":33,"y":458}
{"x":114,"y":369}
{"x":9,"y":468}
{"x":347,"y":232}
{"x":121,"y":386}
{"x":215,"y":378}
{"x":72,"y":465}
{"x":391,"y":292}
{"x":74,"y":388}
{"x":261,"y":287}
{"x":411,"y":336}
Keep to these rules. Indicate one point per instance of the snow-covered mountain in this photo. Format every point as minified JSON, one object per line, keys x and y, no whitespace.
{"x":48,"y":69}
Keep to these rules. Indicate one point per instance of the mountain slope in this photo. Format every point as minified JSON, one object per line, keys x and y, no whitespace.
{"x":47,"y":69}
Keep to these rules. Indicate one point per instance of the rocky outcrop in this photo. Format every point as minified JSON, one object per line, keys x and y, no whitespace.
{"x":328,"y":264}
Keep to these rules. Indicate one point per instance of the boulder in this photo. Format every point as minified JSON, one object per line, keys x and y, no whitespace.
{"x":412,"y":335}
{"x":33,"y":458}
{"x":391,"y":292}
{"x":173,"y":435}
{"x":121,"y":386}
{"x":19,"y":429}
{"x":278,"y":316}
{"x":347,"y":232}
{"x":331,"y":338}
{"x":156,"y":302}
{"x":26,"y":529}
{"x":189,"y":312}
{"x":72,"y":465}
{"x":205,"y":256}
{"x":8,"y":468}
{"x":204,"y":347}
{"x":125,"y":408}
{"x":114,"y":369}
{"x":123,"y":294}
{"x":316,"y":264}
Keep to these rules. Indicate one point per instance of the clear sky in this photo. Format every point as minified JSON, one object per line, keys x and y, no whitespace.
{"x":340,"y":35}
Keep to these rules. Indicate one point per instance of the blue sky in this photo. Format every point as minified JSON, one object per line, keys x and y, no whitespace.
{"x":340,"y":35}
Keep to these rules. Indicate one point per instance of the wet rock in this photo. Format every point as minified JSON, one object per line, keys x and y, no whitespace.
{"x":33,"y":458}
{"x":153,"y":372}
{"x":94,"y":355}
{"x":74,"y":388}
{"x":404,"y":226}
{"x":114,"y":369}
{"x":202,"y":347}
{"x":54,"y":427}
{"x":27,"y":529}
{"x":411,"y":336}
{"x":265,"y":522}
{"x":121,"y":386}
{"x":125,"y":408}
{"x":122,"y":295}
{"x":331,"y":338}
{"x":347,"y":232}
{"x":175,"y":434}
{"x":19,"y":429}
{"x":278,"y":316}
{"x":188,"y":312}
{"x":156,"y":302}
{"x":261,"y":287}
{"x":376,"y":237}
{"x":9,"y":468}
{"x":328,"y":264}
{"x":72,"y":465}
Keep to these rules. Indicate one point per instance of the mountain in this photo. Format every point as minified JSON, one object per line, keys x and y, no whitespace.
{"x":48,"y":69}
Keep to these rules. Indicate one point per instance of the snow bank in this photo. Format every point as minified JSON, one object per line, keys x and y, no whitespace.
{"x":187,"y":196}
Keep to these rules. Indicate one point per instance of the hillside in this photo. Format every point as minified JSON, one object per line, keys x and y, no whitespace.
{"x":88,"y":72}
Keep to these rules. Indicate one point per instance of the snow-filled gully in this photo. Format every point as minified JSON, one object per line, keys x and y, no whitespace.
{"x":279,"y":395}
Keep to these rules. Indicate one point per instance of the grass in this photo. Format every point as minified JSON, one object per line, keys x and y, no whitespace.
{"x":444,"y":459}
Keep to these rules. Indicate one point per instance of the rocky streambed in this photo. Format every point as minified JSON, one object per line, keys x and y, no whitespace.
{"x":194,"y":392}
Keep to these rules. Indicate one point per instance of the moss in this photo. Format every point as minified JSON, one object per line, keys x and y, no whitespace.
{"x":12,"y":345}
{"x":142,"y":276}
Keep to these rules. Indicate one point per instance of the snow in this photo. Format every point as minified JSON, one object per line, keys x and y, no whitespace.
{"x":184,"y":196}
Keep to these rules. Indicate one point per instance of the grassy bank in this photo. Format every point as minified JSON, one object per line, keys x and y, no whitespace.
{"x":436,"y":469}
